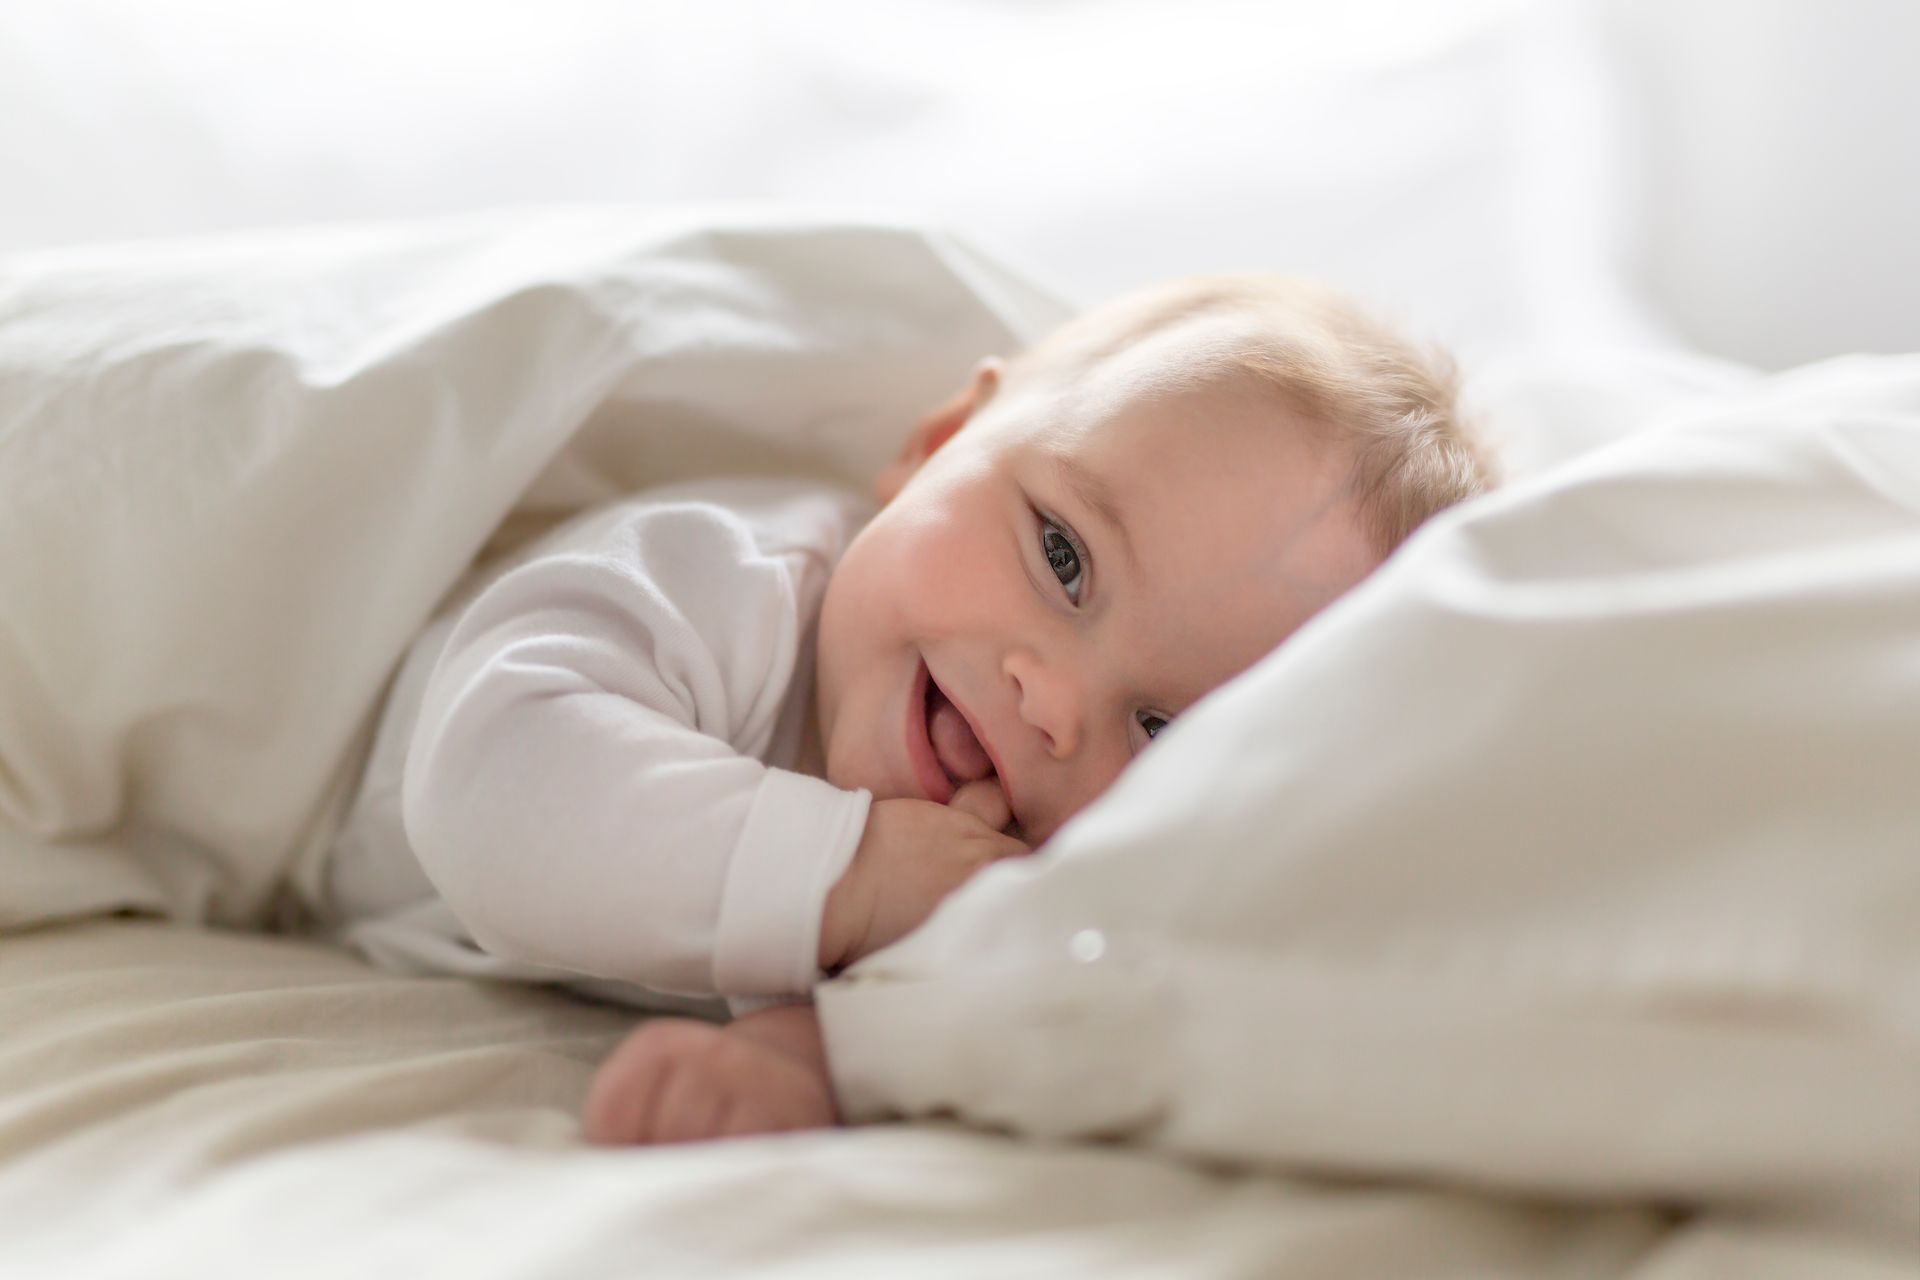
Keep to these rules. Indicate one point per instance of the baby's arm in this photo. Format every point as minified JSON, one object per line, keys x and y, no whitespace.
{"x":578,"y":785}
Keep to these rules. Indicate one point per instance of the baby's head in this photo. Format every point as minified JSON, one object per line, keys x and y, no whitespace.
{"x":1087,"y":539}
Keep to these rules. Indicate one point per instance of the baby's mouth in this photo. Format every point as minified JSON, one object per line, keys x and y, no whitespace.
{"x":954,"y":746}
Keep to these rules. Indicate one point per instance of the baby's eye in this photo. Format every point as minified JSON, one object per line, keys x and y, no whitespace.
{"x":1151,"y":723}
{"x":1063,"y":557}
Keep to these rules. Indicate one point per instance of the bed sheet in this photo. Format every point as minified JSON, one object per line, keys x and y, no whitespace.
{"x":180,"y":1102}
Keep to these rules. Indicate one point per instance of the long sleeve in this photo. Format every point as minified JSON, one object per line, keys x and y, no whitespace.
{"x":581,"y":785}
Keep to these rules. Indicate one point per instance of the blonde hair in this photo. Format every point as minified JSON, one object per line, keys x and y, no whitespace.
{"x":1391,"y":402}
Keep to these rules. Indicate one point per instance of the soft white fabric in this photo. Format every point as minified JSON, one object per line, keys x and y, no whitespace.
{"x":196,"y":1104}
{"x":1541,"y":406}
{"x":600,"y":747}
{"x":1575,"y":852}
{"x":237,"y":477}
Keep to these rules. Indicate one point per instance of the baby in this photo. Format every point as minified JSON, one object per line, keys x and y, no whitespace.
{"x":724,"y":739}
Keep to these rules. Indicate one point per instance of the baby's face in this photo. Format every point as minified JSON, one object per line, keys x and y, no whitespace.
{"x":1057,"y":571}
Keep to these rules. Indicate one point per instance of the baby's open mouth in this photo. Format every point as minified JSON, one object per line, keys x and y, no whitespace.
{"x":954,"y":745}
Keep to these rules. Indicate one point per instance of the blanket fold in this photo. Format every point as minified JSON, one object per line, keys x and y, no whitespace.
{"x":236,"y":476}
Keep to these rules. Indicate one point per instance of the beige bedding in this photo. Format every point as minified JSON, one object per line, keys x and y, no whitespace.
{"x":183,"y":1103}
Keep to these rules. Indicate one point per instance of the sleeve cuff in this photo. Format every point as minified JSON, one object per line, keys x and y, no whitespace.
{"x":799,"y":837}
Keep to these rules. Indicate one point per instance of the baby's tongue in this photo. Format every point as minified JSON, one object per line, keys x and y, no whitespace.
{"x":959,"y":752}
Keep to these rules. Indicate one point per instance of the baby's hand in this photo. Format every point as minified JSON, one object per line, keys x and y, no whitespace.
{"x":912,"y":854}
{"x":680,"y":1080}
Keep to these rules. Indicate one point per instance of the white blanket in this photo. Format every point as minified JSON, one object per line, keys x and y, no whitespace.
{"x":236,"y":476}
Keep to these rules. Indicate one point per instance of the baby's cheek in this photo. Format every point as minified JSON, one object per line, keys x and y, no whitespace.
{"x":1085,"y":791}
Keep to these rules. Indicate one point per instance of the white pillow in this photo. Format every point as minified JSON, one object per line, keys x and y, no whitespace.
{"x":1574,"y":853}
{"x":1540,"y":407}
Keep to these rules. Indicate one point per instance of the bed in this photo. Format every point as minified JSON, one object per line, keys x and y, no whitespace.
{"x":1685,"y":1045}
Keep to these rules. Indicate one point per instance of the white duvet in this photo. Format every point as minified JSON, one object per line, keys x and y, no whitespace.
{"x":1570,"y":862}
{"x":237,"y":475}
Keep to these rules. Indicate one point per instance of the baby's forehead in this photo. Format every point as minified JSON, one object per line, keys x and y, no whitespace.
{"x":1218,"y":466}
{"x":1177,"y":416}
{"x":1163,"y":367}
{"x":1213,"y":429}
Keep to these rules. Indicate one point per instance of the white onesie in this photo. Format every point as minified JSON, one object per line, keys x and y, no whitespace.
{"x":599,"y":761}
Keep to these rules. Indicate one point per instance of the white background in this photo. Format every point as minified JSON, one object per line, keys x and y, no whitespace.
{"x":1736,"y":175}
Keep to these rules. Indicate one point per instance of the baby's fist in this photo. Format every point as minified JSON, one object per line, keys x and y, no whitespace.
{"x":912,"y":854}
{"x":681,"y":1080}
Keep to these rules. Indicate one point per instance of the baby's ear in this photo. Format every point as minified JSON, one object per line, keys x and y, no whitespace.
{"x":938,"y":427}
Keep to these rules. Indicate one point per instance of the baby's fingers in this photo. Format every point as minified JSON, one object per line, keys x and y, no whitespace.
{"x":624,"y":1098}
{"x":630,"y":1092}
{"x":983,"y":799}
{"x":693,"y":1105}
{"x":1012,"y":847}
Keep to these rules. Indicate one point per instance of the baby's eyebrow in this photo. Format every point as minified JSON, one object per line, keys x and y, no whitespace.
{"x":1098,"y":496}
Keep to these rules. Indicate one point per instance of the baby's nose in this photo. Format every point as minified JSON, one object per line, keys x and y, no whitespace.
{"x":1048,"y":700}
